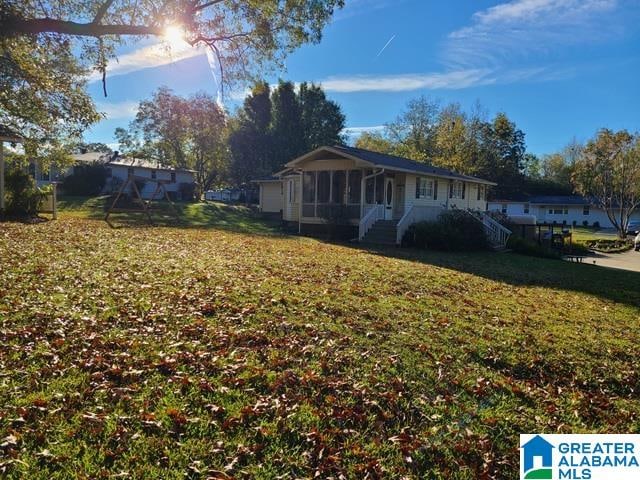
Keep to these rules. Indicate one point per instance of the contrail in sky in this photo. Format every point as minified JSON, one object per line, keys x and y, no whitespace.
{"x":385,"y":46}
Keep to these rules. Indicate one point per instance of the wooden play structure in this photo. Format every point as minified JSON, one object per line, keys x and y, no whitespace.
{"x":145,"y":205}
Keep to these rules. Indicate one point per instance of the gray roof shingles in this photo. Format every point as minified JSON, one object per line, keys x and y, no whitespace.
{"x":394,"y":162}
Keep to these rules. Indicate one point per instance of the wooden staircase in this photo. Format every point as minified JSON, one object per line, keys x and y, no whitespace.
{"x":382,"y":232}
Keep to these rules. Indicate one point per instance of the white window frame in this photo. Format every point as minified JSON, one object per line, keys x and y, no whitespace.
{"x":425,"y":187}
{"x":457,"y":190}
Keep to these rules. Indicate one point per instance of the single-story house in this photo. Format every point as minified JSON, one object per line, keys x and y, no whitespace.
{"x":373,"y":196}
{"x":556,"y":209}
{"x":178,"y":181}
{"x":228,"y":195}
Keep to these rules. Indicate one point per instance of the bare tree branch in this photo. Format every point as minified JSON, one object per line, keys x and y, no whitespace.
{"x":102,"y":11}
{"x":51,"y":25}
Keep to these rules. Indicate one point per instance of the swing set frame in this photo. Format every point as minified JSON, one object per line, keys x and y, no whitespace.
{"x":146,"y":204}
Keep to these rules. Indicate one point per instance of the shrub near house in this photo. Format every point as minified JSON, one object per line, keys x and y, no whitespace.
{"x":453,"y":230}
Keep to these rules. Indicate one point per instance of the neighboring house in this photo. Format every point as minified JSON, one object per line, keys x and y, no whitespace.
{"x":370,"y":190}
{"x":224,"y":195}
{"x":556,"y":209}
{"x":178,"y":182}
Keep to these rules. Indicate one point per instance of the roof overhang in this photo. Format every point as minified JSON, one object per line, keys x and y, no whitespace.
{"x":314,"y":153}
{"x":295,"y":164}
{"x":267,"y":180}
{"x":8,"y":135}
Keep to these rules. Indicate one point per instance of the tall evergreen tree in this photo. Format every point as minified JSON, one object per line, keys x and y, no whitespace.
{"x":322,"y":119}
{"x":273,"y":129}
{"x":286,"y":125}
{"x":250,"y":137}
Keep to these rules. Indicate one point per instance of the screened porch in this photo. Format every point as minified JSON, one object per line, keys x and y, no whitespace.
{"x":347,"y":194}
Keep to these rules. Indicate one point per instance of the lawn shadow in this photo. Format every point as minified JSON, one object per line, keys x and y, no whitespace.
{"x":233,"y":218}
{"x":618,"y":285}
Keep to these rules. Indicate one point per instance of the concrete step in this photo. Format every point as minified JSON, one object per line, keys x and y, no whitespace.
{"x":381,"y":228}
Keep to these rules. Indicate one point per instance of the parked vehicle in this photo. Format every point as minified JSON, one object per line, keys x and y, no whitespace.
{"x":633,"y":228}
{"x":636,"y":243}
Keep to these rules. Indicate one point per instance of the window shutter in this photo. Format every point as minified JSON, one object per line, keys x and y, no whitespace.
{"x":417,"y":187}
{"x":450,"y":189}
{"x":435,"y":189}
{"x":464,"y":187}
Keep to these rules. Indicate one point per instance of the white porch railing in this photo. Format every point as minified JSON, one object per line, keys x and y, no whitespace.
{"x":497,"y":234}
{"x":415,"y":214}
{"x":372,"y":214}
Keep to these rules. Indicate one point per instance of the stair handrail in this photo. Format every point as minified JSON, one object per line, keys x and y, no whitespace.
{"x":372,"y":216}
{"x":498,"y":234}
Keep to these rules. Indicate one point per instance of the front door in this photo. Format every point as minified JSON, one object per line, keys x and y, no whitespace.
{"x":388,"y":199}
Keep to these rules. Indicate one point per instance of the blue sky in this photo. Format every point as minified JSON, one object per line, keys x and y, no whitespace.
{"x":558,"y":68}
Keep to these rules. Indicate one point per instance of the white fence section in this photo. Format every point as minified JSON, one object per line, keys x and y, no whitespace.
{"x":372,"y":213}
{"x":415,"y":214}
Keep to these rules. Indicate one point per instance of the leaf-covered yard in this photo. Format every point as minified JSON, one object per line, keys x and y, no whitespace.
{"x":208,"y":353}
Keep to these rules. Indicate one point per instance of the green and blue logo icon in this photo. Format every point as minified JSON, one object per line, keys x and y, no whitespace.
{"x":537,"y":459}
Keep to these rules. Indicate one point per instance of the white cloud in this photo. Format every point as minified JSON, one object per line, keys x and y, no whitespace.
{"x":407,"y":82}
{"x":513,"y":30}
{"x":149,"y":56}
{"x":357,"y":131}
{"x":119,"y":110}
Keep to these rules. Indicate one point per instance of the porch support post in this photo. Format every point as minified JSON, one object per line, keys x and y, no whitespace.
{"x":1,"y":179}
{"x":363,"y":183}
{"x":299,"y":201}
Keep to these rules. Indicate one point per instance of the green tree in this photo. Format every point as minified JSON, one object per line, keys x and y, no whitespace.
{"x":180,"y":132}
{"x":608,"y":172}
{"x":48,"y":48}
{"x":287,"y":130}
{"x":250,"y":137}
{"x":271,"y":130}
{"x":376,"y":142}
{"x":556,"y":169}
{"x":42,"y":94}
{"x":414,"y":131}
{"x":501,"y":150}
{"x":532,"y":166}
{"x":322,"y":119}
{"x":453,"y":144}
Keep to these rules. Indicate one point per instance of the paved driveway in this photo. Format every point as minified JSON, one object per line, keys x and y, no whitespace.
{"x":626,"y":261}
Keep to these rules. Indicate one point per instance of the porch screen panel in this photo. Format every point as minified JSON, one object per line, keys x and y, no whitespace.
{"x":309,"y":194}
{"x":309,"y":187}
{"x":339,"y":186}
{"x":355,"y":179}
{"x":368,"y":190}
{"x":323,"y":187}
{"x":380,"y":189}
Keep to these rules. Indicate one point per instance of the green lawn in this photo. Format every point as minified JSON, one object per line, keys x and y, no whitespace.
{"x":233,"y":351}
{"x":600,"y":240}
{"x":199,"y":214}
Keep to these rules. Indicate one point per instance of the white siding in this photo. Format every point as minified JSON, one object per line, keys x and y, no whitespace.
{"x":271,"y":197}
{"x":575,"y":213}
{"x":470,"y":200}
{"x":121,"y":172}
{"x":513,"y":208}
